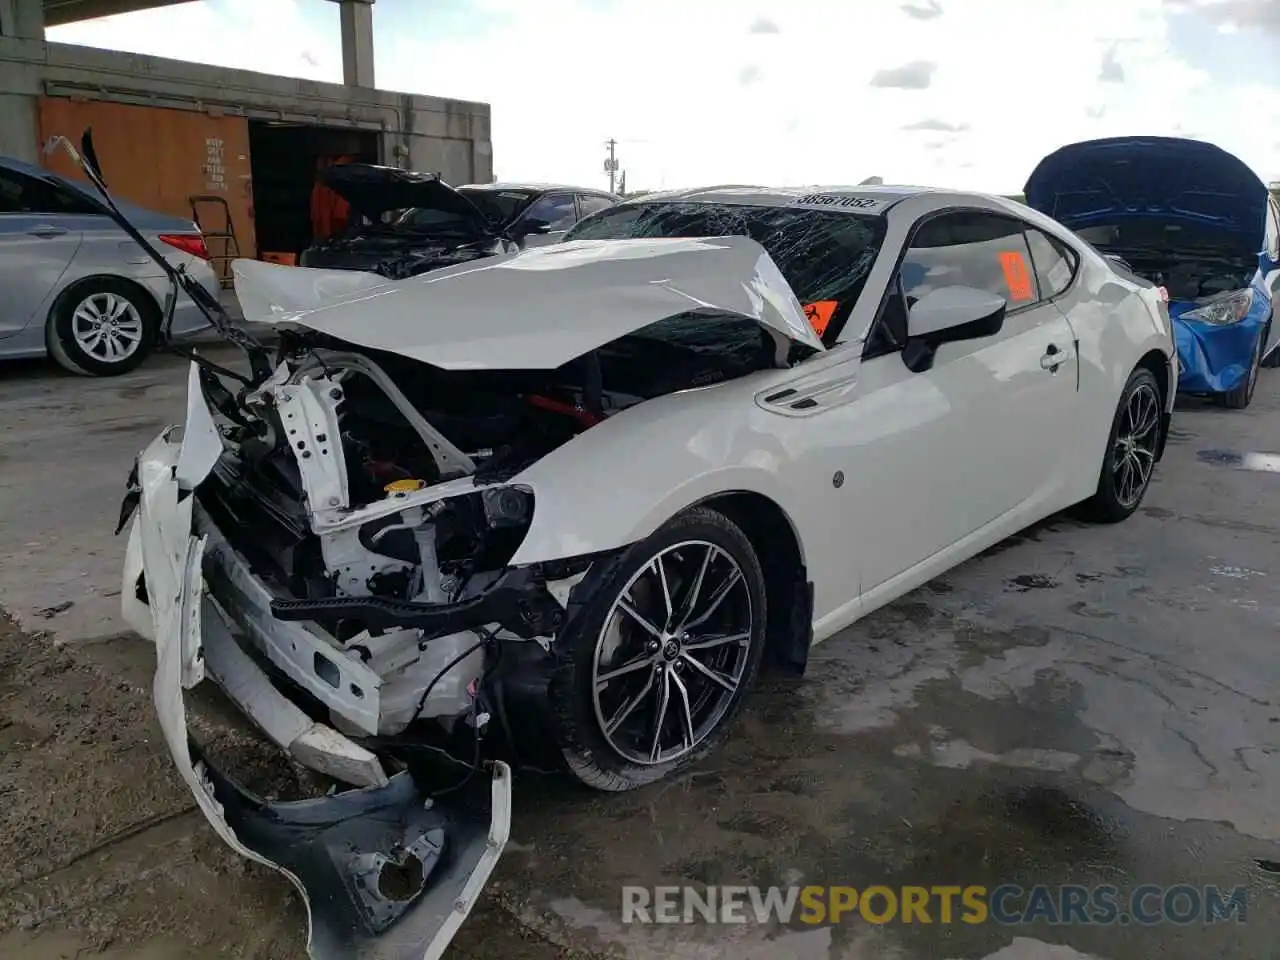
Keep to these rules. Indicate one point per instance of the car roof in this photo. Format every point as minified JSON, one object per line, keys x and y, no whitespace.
{"x":30,"y":169}
{"x":866,"y":199}
{"x":853,"y":199}
{"x":536,"y":188}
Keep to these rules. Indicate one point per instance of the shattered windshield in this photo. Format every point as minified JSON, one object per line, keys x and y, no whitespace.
{"x":824,"y":255}
{"x":499,"y":206}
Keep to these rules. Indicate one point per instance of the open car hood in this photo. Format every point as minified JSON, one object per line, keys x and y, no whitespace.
{"x":373,"y":190}
{"x":1102,"y":180}
{"x":536,"y":309}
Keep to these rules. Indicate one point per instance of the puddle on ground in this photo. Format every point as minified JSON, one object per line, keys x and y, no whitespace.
{"x":1261,"y":462}
{"x":922,"y":749}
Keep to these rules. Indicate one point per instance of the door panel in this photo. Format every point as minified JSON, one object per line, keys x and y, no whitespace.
{"x":39,"y":236}
{"x":980,"y":434}
{"x":963,"y":443}
{"x":34,"y":253}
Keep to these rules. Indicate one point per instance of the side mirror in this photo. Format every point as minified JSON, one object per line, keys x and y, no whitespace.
{"x":947,"y":315}
{"x":529,"y":228}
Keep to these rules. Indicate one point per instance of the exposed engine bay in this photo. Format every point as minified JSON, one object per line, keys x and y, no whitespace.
{"x":1190,"y":276}
{"x":1190,"y":263}
{"x":368,"y":491}
{"x":396,"y":253}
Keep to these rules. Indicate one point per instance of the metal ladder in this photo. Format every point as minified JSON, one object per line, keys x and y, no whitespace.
{"x":219,"y":258}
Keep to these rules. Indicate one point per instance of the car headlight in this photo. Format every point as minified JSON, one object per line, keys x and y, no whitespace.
{"x":1222,"y":309}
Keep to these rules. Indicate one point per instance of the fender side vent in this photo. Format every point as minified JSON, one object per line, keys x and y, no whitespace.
{"x":780,"y":395}
{"x":806,"y":404}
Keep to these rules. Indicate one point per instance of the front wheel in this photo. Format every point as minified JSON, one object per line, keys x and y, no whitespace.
{"x":655,"y":666}
{"x":1131,"y":450}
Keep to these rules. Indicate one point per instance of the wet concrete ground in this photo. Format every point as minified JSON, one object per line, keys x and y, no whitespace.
{"x":1082,"y":705}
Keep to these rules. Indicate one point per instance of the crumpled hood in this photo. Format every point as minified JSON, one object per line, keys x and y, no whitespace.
{"x":533,"y":310}
{"x":1103,"y":180}
{"x":373,"y":190}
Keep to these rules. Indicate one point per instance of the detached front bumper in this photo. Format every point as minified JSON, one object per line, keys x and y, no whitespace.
{"x":385,"y":872}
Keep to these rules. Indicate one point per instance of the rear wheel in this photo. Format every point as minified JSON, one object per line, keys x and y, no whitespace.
{"x":662,"y":654}
{"x":102,"y":327}
{"x":1131,"y":450}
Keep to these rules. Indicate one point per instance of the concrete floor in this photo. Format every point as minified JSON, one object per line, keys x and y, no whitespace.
{"x":1085,"y":705}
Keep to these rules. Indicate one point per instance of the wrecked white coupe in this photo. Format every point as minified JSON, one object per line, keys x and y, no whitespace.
{"x":394,"y":544}
{"x":565,"y":502}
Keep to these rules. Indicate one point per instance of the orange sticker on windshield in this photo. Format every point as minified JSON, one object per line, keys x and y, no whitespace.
{"x":1017,"y":276}
{"x":820,"y":313}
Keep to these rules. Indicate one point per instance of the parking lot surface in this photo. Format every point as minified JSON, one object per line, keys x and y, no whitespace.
{"x":1081,"y":705}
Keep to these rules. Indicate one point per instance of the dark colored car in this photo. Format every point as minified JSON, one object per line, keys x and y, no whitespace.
{"x":536,"y":214}
{"x":404,"y":223}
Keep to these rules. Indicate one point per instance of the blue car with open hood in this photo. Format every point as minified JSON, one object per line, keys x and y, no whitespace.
{"x":1194,"y":220}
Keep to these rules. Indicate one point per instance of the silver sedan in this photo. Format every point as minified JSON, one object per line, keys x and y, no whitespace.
{"x":74,"y":286}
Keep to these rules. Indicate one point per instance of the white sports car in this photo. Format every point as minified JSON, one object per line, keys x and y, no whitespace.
{"x":592,"y":486}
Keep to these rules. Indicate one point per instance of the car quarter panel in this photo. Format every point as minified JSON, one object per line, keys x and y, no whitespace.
{"x":1116,"y":324}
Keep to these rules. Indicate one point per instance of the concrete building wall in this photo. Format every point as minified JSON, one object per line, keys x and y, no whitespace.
{"x":450,"y":137}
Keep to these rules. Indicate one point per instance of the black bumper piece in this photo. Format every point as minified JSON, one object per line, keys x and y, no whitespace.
{"x":519,"y":601}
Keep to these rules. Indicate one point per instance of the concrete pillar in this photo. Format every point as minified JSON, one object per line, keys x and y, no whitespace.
{"x":357,"y":42}
{"x":23,"y":19}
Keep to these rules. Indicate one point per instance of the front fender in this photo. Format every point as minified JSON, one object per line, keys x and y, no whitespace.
{"x":624,"y":478}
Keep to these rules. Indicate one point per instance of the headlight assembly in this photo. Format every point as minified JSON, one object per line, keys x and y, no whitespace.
{"x":1223,"y":309}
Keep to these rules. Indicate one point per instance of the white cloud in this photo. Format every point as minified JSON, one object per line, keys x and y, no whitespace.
{"x":722,"y":100}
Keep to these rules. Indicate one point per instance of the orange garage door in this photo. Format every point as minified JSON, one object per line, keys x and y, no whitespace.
{"x":160,"y":158}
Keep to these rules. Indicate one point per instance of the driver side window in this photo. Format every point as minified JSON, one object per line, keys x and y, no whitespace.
{"x":558,"y":210}
{"x":966,"y":248}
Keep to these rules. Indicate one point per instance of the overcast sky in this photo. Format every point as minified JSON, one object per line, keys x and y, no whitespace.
{"x":962,"y":93}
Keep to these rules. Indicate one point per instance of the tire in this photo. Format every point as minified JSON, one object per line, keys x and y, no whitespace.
{"x":613,"y":760}
{"x":1273,"y":360}
{"x":1241,"y":396}
{"x":124,"y":315}
{"x":1115,"y":500}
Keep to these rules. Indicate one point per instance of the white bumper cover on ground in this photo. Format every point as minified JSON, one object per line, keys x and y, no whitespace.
{"x":332,"y":848}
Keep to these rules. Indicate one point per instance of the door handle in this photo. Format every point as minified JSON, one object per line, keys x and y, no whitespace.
{"x":1053,"y":358}
{"x":47,"y":230}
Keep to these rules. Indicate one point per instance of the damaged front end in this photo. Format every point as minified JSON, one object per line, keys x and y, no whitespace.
{"x":386,"y":870}
{"x":340,"y":544}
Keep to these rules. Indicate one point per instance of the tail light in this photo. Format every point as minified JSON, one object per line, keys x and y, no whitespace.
{"x":188,"y":243}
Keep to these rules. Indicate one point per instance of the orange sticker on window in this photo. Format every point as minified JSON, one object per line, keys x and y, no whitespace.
{"x":820,"y":313}
{"x":1017,"y":276}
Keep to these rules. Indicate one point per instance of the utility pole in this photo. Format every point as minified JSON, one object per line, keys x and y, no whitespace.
{"x":611,"y":162}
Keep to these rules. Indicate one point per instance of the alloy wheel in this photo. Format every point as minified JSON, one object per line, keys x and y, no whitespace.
{"x":107,"y":327}
{"x":1133,"y":456}
{"x":671,"y":655}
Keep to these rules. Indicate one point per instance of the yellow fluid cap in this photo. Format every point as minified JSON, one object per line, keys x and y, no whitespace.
{"x":404,"y":486}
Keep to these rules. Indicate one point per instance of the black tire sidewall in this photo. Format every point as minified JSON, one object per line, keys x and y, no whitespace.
{"x":583,"y":746}
{"x":63,"y":346}
{"x":1105,"y":505}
